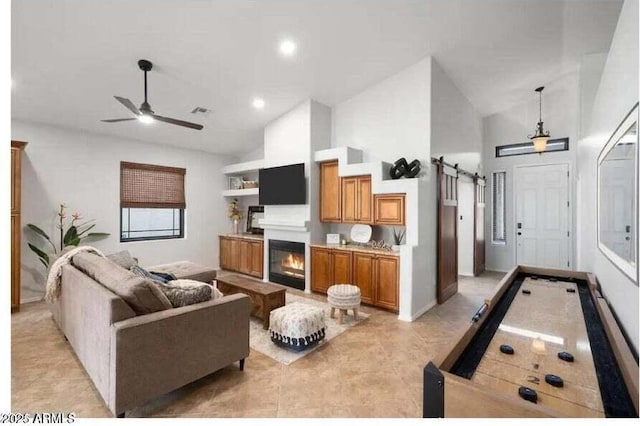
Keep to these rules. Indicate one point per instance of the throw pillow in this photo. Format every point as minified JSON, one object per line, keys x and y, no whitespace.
{"x":187,"y":292}
{"x":123,"y":258}
{"x":159,"y":277}
{"x":142,"y":294}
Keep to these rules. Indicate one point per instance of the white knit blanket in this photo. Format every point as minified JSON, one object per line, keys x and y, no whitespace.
{"x":55,"y":272}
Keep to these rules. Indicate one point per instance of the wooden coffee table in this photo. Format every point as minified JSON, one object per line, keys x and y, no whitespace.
{"x":265,"y":297}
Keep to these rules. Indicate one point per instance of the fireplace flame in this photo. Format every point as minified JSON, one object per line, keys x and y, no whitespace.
{"x":293,"y":261}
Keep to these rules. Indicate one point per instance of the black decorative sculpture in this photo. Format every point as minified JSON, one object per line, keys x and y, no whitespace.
{"x":402,"y":168}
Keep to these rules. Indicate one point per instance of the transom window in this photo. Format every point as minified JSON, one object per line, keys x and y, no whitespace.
{"x":152,"y":202}
{"x":527,"y":148}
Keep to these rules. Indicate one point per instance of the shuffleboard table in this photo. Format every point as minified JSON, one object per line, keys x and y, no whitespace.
{"x":545,"y":344}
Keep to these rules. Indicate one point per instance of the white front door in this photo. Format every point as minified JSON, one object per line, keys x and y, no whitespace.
{"x":542,"y":216}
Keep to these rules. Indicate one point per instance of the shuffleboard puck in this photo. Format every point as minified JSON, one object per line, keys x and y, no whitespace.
{"x":525,"y":291}
{"x":528,"y":394}
{"x":571,"y":290}
{"x":533,"y":277}
{"x":565,"y":356}
{"x":506,"y":349}
{"x":553,"y":280}
{"x":554,"y":380}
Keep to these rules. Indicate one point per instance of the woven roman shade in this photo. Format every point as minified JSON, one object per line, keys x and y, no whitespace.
{"x":149,"y":186}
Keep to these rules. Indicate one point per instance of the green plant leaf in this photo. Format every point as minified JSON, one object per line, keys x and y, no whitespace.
{"x":74,"y":242}
{"x":44,"y":257}
{"x":38,"y":231}
{"x":43,"y":262}
{"x":70,"y":235}
{"x":98,"y":234}
{"x":85,"y":230}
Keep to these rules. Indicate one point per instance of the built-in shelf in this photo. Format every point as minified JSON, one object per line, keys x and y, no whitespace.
{"x":240,"y":192}
{"x":246,"y":167}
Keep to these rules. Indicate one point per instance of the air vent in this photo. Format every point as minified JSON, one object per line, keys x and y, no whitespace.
{"x":201,"y":111}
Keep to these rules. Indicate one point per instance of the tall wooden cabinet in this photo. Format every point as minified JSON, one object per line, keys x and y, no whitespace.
{"x":242,"y":254}
{"x":330,"y":193}
{"x":16,"y":173}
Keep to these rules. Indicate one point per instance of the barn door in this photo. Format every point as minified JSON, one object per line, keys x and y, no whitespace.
{"x":478,"y":228}
{"x":447,"y":232}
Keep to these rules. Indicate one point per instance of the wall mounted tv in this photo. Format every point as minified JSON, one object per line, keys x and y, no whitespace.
{"x":283,"y":185}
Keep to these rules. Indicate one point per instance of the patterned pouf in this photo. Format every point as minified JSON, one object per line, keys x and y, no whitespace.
{"x":297,"y":326}
{"x":344,"y":297}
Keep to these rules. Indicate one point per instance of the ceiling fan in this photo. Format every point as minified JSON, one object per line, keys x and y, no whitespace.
{"x":145,"y":114}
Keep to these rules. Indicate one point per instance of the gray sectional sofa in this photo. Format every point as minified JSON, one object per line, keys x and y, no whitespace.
{"x":133,"y":358}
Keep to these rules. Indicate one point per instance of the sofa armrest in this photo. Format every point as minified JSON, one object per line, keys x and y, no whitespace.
{"x":156,"y":353}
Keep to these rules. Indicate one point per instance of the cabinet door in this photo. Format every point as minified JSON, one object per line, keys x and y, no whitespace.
{"x":225,"y":253}
{"x":234,"y":262}
{"x":15,"y":262}
{"x":330,"y":193}
{"x":349,"y":203}
{"x":321,"y":269}
{"x":341,"y":267}
{"x":257,"y":259}
{"x":364,"y":200}
{"x":389,"y":209}
{"x":363,"y":274}
{"x":245,"y":257}
{"x":387,"y":280}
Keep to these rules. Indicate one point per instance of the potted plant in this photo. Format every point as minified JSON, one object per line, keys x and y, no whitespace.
{"x":70,"y":237}
{"x":235,"y":214}
{"x":398,"y":236}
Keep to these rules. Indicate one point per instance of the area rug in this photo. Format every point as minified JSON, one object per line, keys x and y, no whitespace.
{"x":260,"y":340}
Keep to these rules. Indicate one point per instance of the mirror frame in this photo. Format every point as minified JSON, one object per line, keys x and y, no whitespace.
{"x":628,"y":269}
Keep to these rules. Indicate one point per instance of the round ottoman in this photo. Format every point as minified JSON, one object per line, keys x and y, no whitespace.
{"x":344,"y":297}
{"x":297,"y":326}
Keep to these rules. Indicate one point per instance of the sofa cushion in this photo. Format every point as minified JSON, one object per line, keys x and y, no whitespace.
{"x":142,"y":294}
{"x":188,"y":292}
{"x":159,"y":277}
{"x":187,"y":270}
{"x":123,"y":258}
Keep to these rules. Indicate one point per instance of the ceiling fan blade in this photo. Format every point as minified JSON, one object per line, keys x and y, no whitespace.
{"x":116,"y":120}
{"x":178,"y":122}
{"x":128,"y":104}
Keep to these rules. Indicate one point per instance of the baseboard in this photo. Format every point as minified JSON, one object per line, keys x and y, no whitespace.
{"x":497,"y":270}
{"x":31,"y":299}
{"x":419,"y":313}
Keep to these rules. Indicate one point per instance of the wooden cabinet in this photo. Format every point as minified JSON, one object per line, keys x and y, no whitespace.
{"x":377,"y":275}
{"x":244,"y":255}
{"x":389,"y":209}
{"x":330,"y":193}
{"x":357,"y":201}
{"x":16,"y":234}
{"x":328,"y":267}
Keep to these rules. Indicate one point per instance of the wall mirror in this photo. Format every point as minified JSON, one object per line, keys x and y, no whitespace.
{"x":618,"y":196}
{"x":254,"y":214}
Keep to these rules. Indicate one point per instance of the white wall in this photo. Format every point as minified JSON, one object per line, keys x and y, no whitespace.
{"x":560,"y":111}
{"x":466,"y":190}
{"x":616,"y":95}
{"x":456,"y":127}
{"x":390,"y":119}
{"x":83,"y":170}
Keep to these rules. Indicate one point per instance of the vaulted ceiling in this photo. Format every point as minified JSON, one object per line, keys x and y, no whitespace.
{"x":70,"y":57}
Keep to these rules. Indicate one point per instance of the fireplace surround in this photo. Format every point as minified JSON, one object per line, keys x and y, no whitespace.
{"x":287,"y":263}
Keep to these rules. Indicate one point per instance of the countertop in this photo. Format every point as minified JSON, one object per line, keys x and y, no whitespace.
{"x":364,"y":249}
{"x":256,"y":237}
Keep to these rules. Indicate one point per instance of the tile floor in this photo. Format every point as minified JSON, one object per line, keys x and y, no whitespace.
{"x":372,"y":370}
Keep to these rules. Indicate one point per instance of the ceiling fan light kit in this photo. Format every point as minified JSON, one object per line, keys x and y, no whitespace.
{"x":145,"y":114}
{"x":540,"y":137}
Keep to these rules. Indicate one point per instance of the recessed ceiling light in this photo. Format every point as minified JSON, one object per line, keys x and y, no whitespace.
{"x":258,"y":103}
{"x":288,"y":48}
{"x":146,"y":119}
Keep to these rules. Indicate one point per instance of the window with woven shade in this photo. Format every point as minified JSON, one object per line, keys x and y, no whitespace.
{"x":152,"y":202}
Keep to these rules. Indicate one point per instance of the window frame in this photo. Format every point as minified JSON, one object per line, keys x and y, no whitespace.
{"x":502,"y":242}
{"x":564,"y":141}
{"x":165,"y":237}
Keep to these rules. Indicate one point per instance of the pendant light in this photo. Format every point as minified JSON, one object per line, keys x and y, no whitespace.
{"x":541,"y":137}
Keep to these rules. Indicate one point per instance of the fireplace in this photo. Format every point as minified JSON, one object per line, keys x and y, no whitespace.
{"x":286,"y":263}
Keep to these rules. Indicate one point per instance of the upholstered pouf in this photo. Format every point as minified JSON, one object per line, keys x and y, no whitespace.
{"x":344,"y":297}
{"x":297,"y":326}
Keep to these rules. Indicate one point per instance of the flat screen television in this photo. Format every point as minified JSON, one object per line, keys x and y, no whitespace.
{"x":283,"y":185}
